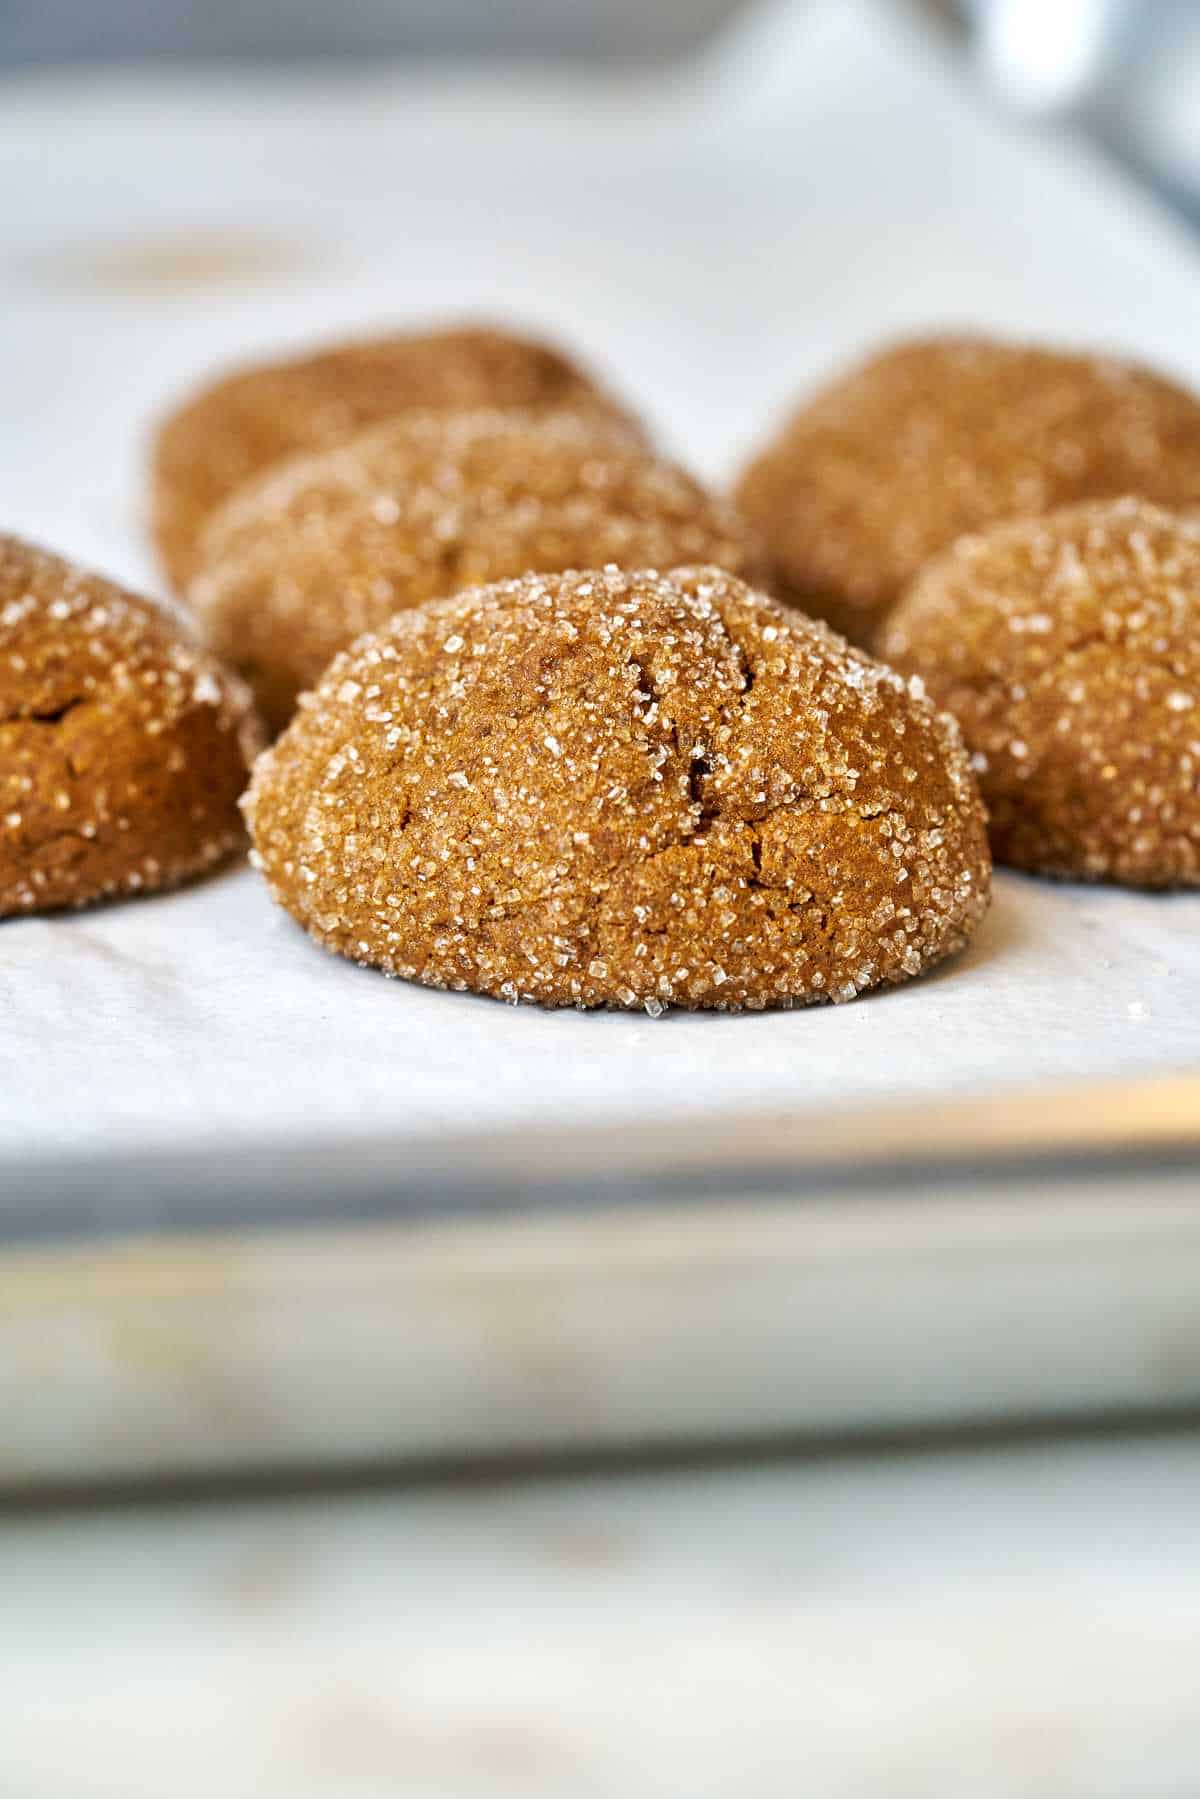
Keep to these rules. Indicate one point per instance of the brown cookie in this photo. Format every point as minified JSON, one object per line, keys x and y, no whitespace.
{"x":1068,"y":647}
{"x":255,"y":416}
{"x":122,"y":748}
{"x":303,"y":560}
{"x":627,"y":790}
{"x":928,"y":440}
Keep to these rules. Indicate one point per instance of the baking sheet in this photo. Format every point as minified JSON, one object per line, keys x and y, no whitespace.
{"x":261,"y":1208}
{"x":753,"y":1316}
{"x":713,"y":239}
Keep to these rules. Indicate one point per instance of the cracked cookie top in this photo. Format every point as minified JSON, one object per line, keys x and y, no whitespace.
{"x":625,"y":789}
{"x":123,"y":748}
{"x":300,"y":562}
{"x":1068,"y":647}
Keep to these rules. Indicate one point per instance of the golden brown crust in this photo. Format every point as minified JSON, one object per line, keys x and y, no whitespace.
{"x":123,"y":749}
{"x":627,"y":790}
{"x":305,"y":559}
{"x":1068,"y":648}
{"x":930,"y":439}
{"x":253,"y":417}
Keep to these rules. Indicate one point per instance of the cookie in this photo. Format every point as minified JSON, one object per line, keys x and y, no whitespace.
{"x":255,"y":416}
{"x":931,"y":439}
{"x":123,"y":749}
{"x":1068,"y":647}
{"x":302,"y":561}
{"x":623,"y":789}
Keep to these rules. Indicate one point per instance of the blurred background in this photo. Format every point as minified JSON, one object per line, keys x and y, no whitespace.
{"x":1125,"y":71}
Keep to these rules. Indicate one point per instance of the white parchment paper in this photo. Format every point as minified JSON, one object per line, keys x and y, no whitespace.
{"x":713,"y":240}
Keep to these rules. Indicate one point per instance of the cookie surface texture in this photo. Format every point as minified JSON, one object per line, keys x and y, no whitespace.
{"x":1069,"y":650}
{"x":247,"y":420}
{"x":307,"y":558}
{"x":634,"y":790}
{"x":123,"y":748}
{"x":930,"y":439}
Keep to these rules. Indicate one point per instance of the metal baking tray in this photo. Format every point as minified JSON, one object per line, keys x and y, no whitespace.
{"x":1031,"y":1256}
{"x":261,"y":1209}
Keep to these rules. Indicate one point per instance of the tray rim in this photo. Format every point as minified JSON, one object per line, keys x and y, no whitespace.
{"x":1069,"y":1131}
{"x":414,"y":1341}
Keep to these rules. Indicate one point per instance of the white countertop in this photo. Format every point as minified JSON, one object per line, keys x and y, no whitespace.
{"x":1016,"y":1620}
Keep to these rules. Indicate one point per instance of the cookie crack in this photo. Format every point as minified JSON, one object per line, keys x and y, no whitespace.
{"x":48,"y":716}
{"x":645,"y":683}
{"x":706,"y":810}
